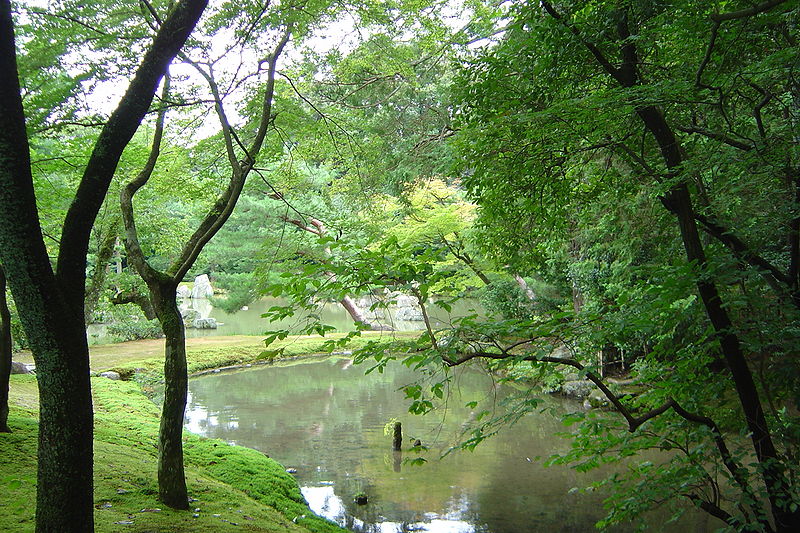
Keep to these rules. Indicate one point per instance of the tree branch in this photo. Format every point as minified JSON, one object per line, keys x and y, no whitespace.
{"x":225,"y":203}
{"x":114,"y":137}
{"x":132,"y":246}
{"x":717,"y":136}
{"x":615,"y":72}
{"x":747,"y":12}
{"x":634,"y":422}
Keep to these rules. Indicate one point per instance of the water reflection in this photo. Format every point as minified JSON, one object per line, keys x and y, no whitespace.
{"x":326,"y":419}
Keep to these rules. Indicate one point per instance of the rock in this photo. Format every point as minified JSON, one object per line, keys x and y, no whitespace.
{"x":562,"y":352}
{"x":183,"y":291}
{"x":360,"y":498}
{"x":597,"y":399}
{"x":189,"y":316}
{"x":202,"y":287}
{"x":577,"y":389}
{"x":110,"y":375}
{"x":405,"y":300}
{"x":205,"y":323}
{"x":21,"y":368}
{"x":411,"y":314}
{"x":291,"y":470}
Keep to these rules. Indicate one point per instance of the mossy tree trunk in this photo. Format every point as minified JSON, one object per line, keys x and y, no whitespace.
{"x":171,"y":478}
{"x":163,"y":284}
{"x":100,"y":273}
{"x":5,"y":353}
{"x":51,"y":304}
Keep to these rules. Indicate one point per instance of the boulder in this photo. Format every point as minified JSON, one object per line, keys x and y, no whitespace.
{"x":411,"y":314}
{"x":205,"y":323}
{"x":20,"y":368}
{"x":405,"y":300}
{"x":110,"y":375}
{"x":202,"y":287}
{"x":183,"y":291}
{"x":597,"y":399}
{"x":579,"y":389}
{"x":189,"y":316}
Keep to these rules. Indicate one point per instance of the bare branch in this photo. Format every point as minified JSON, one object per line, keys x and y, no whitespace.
{"x":615,"y":72}
{"x":717,"y":136}
{"x":747,"y":12}
{"x":132,"y":246}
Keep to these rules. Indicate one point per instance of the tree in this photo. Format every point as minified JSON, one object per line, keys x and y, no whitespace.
{"x":50,"y":303}
{"x":5,"y":353}
{"x":580,"y":104}
{"x":162,"y":285}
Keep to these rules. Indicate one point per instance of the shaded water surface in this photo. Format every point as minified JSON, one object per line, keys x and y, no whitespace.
{"x":326,"y":419}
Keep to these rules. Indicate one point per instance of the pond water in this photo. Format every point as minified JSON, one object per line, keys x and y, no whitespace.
{"x":250,"y":321}
{"x":325,"y":418}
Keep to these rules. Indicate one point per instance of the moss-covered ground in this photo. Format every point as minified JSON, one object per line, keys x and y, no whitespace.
{"x":233,"y":488}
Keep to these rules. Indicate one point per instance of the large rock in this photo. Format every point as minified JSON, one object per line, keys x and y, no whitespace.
{"x":579,"y":389}
{"x":183,"y":291}
{"x":205,"y":323}
{"x":189,"y":316}
{"x":597,"y":399}
{"x":202,"y":287}
{"x":411,"y":314}
{"x":110,"y":374}
{"x":405,"y":300}
{"x":20,"y":368}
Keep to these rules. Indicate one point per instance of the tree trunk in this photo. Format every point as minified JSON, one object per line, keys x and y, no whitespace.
{"x":5,"y":353}
{"x":98,"y":279}
{"x":133,"y":297}
{"x":523,"y":285}
{"x":171,"y":478}
{"x":678,"y":201}
{"x":51,"y":305}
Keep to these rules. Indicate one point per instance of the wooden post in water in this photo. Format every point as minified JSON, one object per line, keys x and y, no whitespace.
{"x":397,"y":441}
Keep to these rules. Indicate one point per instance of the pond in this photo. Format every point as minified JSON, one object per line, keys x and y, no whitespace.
{"x":325,"y":418}
{"x":250,"y":321}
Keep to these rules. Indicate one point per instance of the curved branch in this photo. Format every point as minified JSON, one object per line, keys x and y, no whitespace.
{"x":117,"y":132}
{"x":132,"y":246}
{"x":225,"y":203}
{"x":747,"y":12}
{"x":634,"y":422}
{"x":721,"y":137}
{"x":266,"y":110}
{"x":596,"y":52}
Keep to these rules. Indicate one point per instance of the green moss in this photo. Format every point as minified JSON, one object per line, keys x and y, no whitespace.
{"x":233,"y":488}
{"x":148,"y":372}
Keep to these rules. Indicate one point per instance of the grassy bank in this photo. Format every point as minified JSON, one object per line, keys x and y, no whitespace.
{"x":234,"y":488}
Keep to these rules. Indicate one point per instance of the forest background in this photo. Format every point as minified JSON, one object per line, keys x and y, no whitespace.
{"x":618,"y":181}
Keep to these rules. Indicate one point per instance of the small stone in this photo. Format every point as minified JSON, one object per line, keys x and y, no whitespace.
{"x":110,"y":375}
{"x":196,"y":515}
{"x":122,"y":491}
{"x":20,"y":368}
{"x":125,"y":522}
{"x":291,"y":470}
